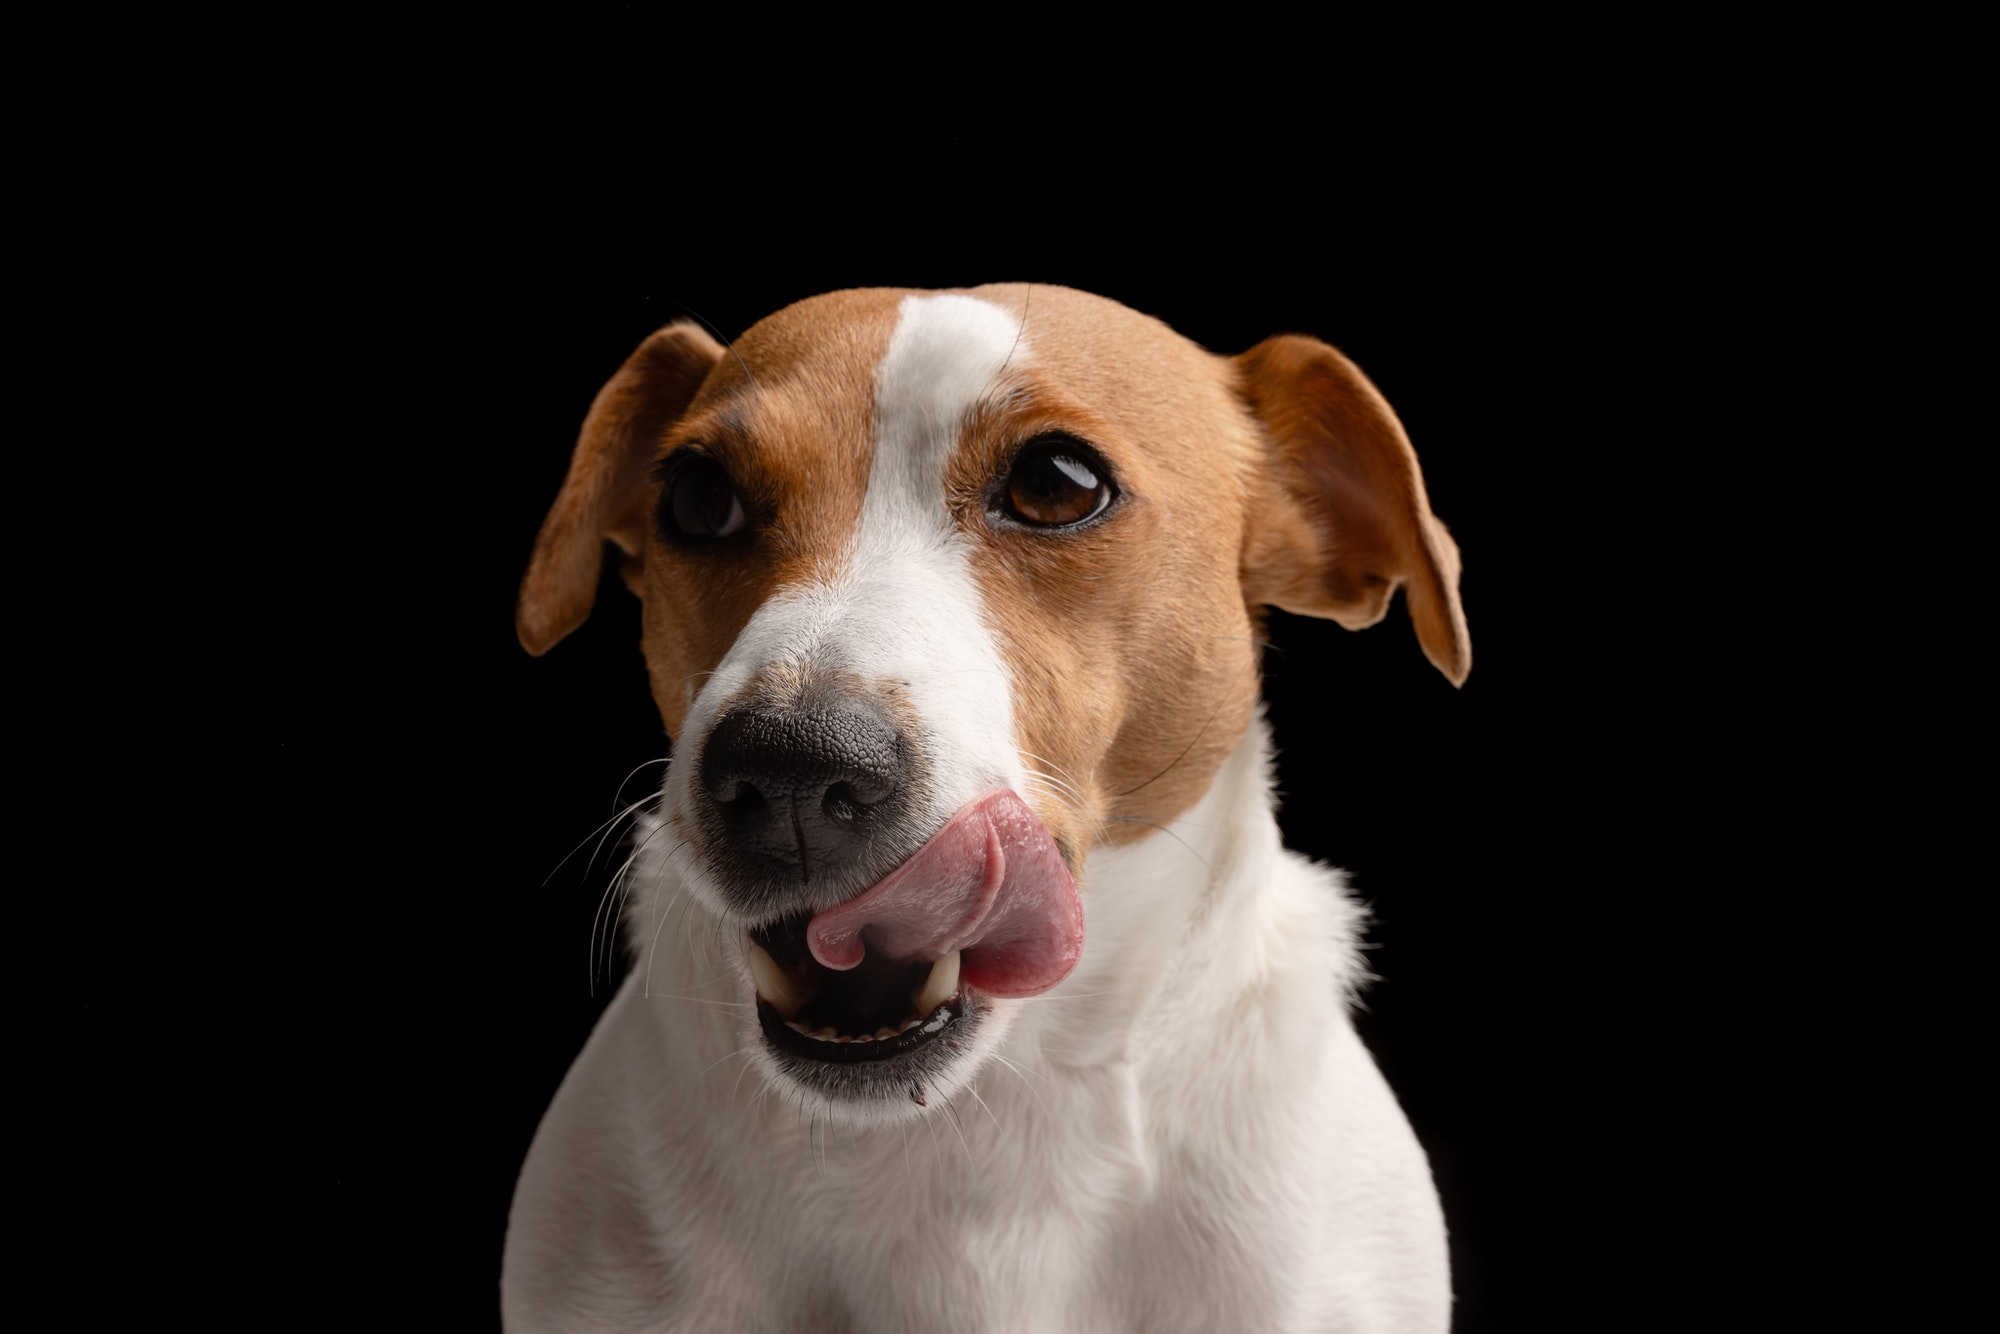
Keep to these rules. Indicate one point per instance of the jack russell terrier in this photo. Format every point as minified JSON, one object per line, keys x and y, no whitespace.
{"x":971,"y":987}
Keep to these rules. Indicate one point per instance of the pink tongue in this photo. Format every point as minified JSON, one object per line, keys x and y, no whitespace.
{"x":990,"y":883}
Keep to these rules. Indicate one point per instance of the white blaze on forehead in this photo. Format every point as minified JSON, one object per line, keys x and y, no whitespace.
{"x":947,"y":353}
{"x":913,"y":608}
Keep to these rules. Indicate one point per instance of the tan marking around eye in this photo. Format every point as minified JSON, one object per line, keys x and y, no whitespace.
{"x":790,"y":414}
{"x":1129,"y":642}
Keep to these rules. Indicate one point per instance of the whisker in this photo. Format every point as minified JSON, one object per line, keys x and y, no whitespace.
{"x":930,"y":1123}
{"x":708,"y":945}
{"x":1178,"y":758}
{"x":739,"y":1079}
{"x":622,"y":882}
{"x":1074,"y":800}
{"x":931,"y":677}
{"x":1047,"y":999}
{"x":1076,"y":790}
{"x":608,"y":905}
{"x":1027,"y":299}
{"x":1133,"y":819}
{"x":1022,"y":1075}
{"x":951,"y":1114}
{"x":1043,"y":759}
{"x":603,"y":831}
{"x":983,"y":1107}
{"x":660,"y":917}
{"x":730,"y":1056}
{"x":1062,"y":776}
{"x":719,"y":338}
{"x":1043,"y":783}
{"x":1055,"y":787}
{"x":697,"y":1000}
{"x":763,"y":1092}
{"x":1063,"y":792}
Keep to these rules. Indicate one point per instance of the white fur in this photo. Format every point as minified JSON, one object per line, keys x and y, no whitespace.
{"x":1186,"y":1134}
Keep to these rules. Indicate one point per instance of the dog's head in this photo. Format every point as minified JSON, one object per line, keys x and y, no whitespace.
{"x":942,"y":592}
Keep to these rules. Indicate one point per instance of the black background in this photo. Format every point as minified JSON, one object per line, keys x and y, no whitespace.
{"x":1528,"y":317}
{"x":1686,"y":317}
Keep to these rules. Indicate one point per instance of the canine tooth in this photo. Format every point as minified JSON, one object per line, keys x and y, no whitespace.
{"x":940,"y":986}
{"x":885,"y":1032}
{"x":824,"y":1033}
{"x":772,"y":983}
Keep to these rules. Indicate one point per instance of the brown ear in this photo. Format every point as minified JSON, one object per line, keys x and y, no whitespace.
{"x":606,"y":491}
{"x":1346,"y":519}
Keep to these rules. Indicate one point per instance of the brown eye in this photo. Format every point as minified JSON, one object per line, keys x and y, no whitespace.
{"x":1055,"y":483}
{"x":698,"y":500}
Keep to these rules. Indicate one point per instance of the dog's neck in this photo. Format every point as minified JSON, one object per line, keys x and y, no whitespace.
{"x":1191,"y":910}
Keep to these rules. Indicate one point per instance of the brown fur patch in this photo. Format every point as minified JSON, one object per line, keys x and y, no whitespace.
{"x":1352,"y":522}
{"x":1128,"y":640}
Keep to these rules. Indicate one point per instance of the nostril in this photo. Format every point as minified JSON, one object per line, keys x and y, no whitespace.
{"x":846,"y":800}
{"x":743,"y":798}
{"x":866,"y":787}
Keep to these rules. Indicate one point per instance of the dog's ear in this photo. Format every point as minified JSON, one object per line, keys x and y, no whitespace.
{"x":1345,"y":519}
{"x":607,"y":490}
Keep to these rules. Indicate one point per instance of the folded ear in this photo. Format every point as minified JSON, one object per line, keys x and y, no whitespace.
{"x":1346,"y":520}
{"x":607,"y":491}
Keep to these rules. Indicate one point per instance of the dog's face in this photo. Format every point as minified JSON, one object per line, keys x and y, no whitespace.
{"x":942,"y":592}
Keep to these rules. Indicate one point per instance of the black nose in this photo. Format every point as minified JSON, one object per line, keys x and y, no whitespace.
{"x":797,"y":791}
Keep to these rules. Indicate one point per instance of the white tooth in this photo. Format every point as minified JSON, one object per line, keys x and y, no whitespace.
{"x":772,"y":984}
{"x":824,"y":1033}
{"x":884,"y":1032}
{"x":940,"y":986}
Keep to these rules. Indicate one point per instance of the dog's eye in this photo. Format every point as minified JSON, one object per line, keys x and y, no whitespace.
{"x":698,"y":500}
{"x":1056,"y":482}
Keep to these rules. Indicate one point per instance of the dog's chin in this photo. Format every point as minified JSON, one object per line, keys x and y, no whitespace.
{"x":881,"y":1042}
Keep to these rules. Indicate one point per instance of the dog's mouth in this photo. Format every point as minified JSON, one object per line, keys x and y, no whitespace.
{"x":986,"y":908}
{"x":876,"y":1011}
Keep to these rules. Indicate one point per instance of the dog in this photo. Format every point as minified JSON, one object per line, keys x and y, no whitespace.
{"x":971,"y":987}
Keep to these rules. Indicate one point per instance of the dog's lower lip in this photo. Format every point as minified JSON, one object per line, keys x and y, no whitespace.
{"x":790,"y":1037}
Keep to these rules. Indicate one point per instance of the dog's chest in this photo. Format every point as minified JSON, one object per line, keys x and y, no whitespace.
{"x":1067,"y":1216}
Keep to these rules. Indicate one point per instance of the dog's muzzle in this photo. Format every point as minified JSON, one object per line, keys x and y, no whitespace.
{"x":873,"y":933}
